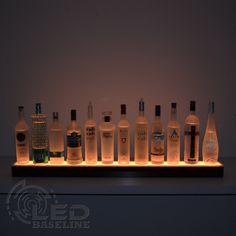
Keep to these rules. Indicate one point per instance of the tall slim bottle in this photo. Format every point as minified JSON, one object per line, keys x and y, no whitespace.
{"x":123,"y":138}
{"x":56,"y":141}
{"x":90,"y":137}
{"x":191,"y":136}
{"x":141,"y":137}
{"x":107,"y":134}
{"x":173,"y":137}
{"x":39,"y":136}
{"x":22,"y":138}
{"x":74,"y":145}
{"x":157,"y":138}
{"x":210,"y":147}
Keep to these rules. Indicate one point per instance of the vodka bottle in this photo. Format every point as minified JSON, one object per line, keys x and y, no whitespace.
{"x":123,"y":138}
{"x":210,"y":147}
{"x":157,"y":138}
{"x":74,"y":145}
{"x":56,"y":141}
{"x":173,"y":137}
{"x":39,"y":136}
{"x":141,"y":137}
{"x":107,"y":134}
{"x":191,"y":136}
{"x":22,"y":138}
{"x":90,"y":135}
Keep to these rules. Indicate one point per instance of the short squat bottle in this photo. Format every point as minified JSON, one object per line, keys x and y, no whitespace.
{"x":90,"y":137}
{"x":22,"y":138}
{"x":191,"y":136}
{"x":74,"y":145}
{"x":173,"y":137}
{"x":157,"y":138}
{"x":56,"y":141}
{"x":141,"y":137}
{"x":123,"y":138}
{"x":39,"y":136}
{"x":107,"y":134}
{"x":210,"y":147}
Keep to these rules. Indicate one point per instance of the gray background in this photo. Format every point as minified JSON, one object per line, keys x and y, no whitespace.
{"x":65,"y":53}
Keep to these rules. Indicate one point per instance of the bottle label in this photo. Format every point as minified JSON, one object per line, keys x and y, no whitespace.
{"x":157,"y":145}
{"x":22,"y":145}
{"x":211,"y":147}
{"x":123,"y":141}
{"x":174,"y":135}
{"x":90,"y":133}
{"x":74,"y":140}
{"x":56,"y":154}
{"x":39,"y":133}
{"x":141,"y":131}
{"x":107,"y":134}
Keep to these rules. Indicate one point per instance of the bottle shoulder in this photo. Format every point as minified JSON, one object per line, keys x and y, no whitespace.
{"x":73,"y":126}
{"x":123,"y":123}
{"x":141,"y":120}
{"x":107,"y":126}
{"x":173,"y":124}
{"x":89,"y":123}
{"x":21,"y":125}
{"x":56,"y":126}
{"x":192,"y":119}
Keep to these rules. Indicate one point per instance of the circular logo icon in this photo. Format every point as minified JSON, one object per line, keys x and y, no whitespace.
{"x":20,"y":137}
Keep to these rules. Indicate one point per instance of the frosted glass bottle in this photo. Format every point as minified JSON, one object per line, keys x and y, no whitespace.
{"x":210,"y":146}
{"x":22,"y":138}
{"x":141,"y":137}
{"x":74,"y":145}
{"x":90,"y":138}
{"x":39,"y":136}
{"x":191,"y":136}
{"x":173,"y":137}
{"x":56,"y":141}
{"x":107,"y":134}
{"x":123,"y":138}
{"x":157,"y":138}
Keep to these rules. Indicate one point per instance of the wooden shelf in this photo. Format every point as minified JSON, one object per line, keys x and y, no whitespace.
{"x":116,"y":170}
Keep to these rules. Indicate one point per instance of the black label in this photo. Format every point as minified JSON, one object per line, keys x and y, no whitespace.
{"x":20,"y":137}
{"x":192,"y":141}
{"x":74,"y":140}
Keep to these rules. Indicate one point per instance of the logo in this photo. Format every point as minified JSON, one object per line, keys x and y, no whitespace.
{"x":36,"y":207}
{"x":20,"y":137}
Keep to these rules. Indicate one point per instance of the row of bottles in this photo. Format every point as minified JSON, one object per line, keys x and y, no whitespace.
{"x":44,"y":149}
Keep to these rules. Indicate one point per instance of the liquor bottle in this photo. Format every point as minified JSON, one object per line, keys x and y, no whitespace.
{"x":123,"y":138}
{"x":74,"y":145}
{"x":157,"y":138}
{"x":173,"y":137}
{"x":141,"y":137}
{"x":107,"y":134}
{"x":22,"y":138}
{"x":39,"y":136}
{"x":210,"y":147}
{"x":56,"y":141}
{"x":191,"y":136}
{"x":90,"y":135}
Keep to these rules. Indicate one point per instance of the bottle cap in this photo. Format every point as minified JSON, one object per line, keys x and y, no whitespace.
{"x":141,"y":105}
{"x":157,"y":110}
{"x":174,"y":105}
{"x":211,"y":107}
{"x":20,"y":108}
{"x":55,"y":115}
{"x":90,"y":110}
{"x":38,"y":109}
{"x":107,"y":118}
{"x":73,"y":114}
{"x":192,"y":105}
{"x":123,"y":109}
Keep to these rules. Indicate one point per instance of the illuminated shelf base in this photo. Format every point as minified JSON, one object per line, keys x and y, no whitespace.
{"x":116,"y":170}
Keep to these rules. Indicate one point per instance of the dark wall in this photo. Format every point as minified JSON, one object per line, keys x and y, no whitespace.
{"x":65,"y":53}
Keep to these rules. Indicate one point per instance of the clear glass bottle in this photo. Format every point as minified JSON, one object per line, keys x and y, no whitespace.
{"x":157,"y":138}
{"x":141,"y":137}
{"x":107,"y":134}
{"x":39,"y":136}
{"x":123,"y":138}
{"x":191,"y":136}
{"x":74,"y":145}
{"x":56,"y":141}
{"x":173,"y":137}
{"x":90,"y":137}
{"x":22,"y":138}
{"x":210,"y":147}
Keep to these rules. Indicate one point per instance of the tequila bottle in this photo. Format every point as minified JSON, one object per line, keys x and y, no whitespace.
{"x":191,"y":136}
{"x":210,"y":147}
{"x":74,"y":145}
{"x":22,"y":138}
{"x":90,"y":137}
{"x":123,"y":137}
{"x":39,"y":136}
{"x":56,"y":141}
{"x":141,"y":137}
{"x":157,"y":138}
{"x":107,"y":134}
{"x":173,"y":137}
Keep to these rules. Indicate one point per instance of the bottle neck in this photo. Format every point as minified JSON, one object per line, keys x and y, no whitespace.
{"x":192,"y":112}
{"x":141,"y":113}
{"x":123,"y":116}
{"x":21,"y":115}
{"x":173,"y":114}
{"x":157,"y":118}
